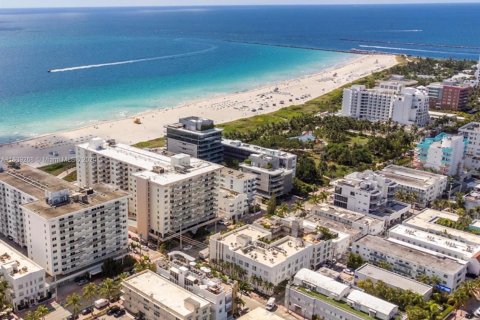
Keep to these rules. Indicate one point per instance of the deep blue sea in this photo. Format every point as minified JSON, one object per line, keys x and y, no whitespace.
{"x":111,"y":63}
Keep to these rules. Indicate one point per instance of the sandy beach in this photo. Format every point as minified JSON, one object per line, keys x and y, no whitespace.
{"x":59,"y":146}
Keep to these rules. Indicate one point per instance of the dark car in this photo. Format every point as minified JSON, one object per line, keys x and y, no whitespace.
{"x":119,"y":313}
{"x":71,"y":317}
{"x":112,"y":310}
{"x":87,"y":310}
{"x":469,"y":316}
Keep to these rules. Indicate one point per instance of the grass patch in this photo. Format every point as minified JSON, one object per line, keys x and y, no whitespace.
{"x":71,"y":177}
{"x":358,"y":140}
{"x":150,"y":144}
{"x":57,"y":168}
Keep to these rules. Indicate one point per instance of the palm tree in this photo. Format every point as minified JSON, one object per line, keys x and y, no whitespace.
{"x":314,"y":199}
{"x":282,"y":210}
{"x":31,"y":316}
{"x":298,"y":207}
{"x":41,"y":311}
{"x":90,"y":291}
{"x":109,"y":288}
{"x":74,"y":301}
{"x":143,"y":264}
{"x":323,"y":196}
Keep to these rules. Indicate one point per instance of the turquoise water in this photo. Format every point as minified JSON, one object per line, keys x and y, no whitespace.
{"x":114,"y":63}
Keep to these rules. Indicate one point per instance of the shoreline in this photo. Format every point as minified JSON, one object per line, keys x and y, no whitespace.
{"x":53,"y":147}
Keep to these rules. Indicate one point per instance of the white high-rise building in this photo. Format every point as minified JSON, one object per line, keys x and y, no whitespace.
{"x":443,"y":153}
{"x":390,"y":100}
{"x":471,"y":133}
{"x":170,"y":194}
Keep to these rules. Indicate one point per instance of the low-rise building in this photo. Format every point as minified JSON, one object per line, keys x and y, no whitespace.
{"x":313,"y":294}
{"x":260,"y":313}
{"x":26,"y":280}
{"x":182,"y":271}
{"x":274,"y":169}
{"x":425,"y":185}
{"x":358,"y":221}
{"x":155,"y":297}
{"x":472,"y":199}
{"x":443,"y":153}
{"x":427,"y":220}
{"x":238,"y":181}
{"x":196,"y":137}
{"x":270,"y":254}
{"x":231,"y":204}
{"x":410,"y":262}
{"x":371,"y":194}
{"x":441,"y":246}
{"x":393,"y":280}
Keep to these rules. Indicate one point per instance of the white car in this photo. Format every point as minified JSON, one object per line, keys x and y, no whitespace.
{"x":477,"y":312}
{"x":187,"y":247}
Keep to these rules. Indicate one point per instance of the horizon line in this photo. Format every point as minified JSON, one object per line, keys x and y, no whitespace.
{"x":245,"y":5}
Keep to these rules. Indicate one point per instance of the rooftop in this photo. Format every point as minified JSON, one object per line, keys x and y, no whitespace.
{"x":472,"y":126}
{"x":101,"y":194}
{"x":393,"y":279}
{"x":339,"y":214}
{"x":163,"y":292}
{"x":236,"y":174}
{"x":257,"y":149}
{"x":415,"y":178}
{"x":159,"y":168}
{"x":463,"y":250}
{"x":14,"y":263}
{"x":409,"y":254}
{"x":306,"y":276}
{"x":425,"y":220}
{"x":371,"y":302}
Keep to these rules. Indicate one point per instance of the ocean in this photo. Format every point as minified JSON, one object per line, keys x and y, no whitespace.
{"x":108,"y":63}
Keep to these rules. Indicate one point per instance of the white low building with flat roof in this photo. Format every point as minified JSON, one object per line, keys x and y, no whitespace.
{"x":441,"y":245}
{"x":426,"y":221}
{"x":155,"y":297}
{"x":25,"y":278}
{"x":393,"y":280}
{"x":260,"y":313}
{"x":427,"y":186}
{"x":313,"y":294}
{"x":410,"y":262}
{"x":272,"y":258}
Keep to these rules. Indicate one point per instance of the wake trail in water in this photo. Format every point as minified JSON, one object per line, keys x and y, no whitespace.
{"x":414,"y":50}
{"x":107,"y":64}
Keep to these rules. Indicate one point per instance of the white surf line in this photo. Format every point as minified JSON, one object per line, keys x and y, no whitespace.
{"x":90,"y":66}
{"x":414,"y":50}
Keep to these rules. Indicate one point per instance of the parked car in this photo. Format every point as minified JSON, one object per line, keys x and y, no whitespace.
{"x":82,"y":282}
{"x":270,"y":304}
{"x":477,"y":312}
{"x":119,"y":313}
{"x":112,"y":310}
{"x":187,"y":247}
{"x":101,"y":303}
{"x":87,"y":310}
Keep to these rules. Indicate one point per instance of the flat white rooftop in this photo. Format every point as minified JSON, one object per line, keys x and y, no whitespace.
{"x":15,"y":263}
{"x":371,"y":302}
{"x":393,"y":279}
{"x":163,"y":292}
{"x":417,"y":179}
{"x":257,"y":149}
{"x":320,"y":281}
{"x":426,"y":220}
{"x":147,"y":160}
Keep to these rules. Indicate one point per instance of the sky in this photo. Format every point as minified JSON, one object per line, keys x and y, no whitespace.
{"x":107,"y":3}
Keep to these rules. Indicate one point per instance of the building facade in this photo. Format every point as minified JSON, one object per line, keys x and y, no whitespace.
{"x":169,"y":194}
{"x":410,"y":262}
{"x":425,"y":185}
{"x":371,"y":194}
{"x":274,"y":169}
{"x":196,"y":137}
{"x":155,"y":297}
{"x":471,"y":133}
{"x":240,"y":182}
{"x":443,"y":153}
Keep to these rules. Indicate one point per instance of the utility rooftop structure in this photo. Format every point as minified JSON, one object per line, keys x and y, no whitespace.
{"x":274,"y":169}
{"x":425,"y":185}
{"x":169,"y":194}
{"x":409,"y":261}
{"x":196,"y":137}
{"x":158,"y":298}
{"x":391,"y":279}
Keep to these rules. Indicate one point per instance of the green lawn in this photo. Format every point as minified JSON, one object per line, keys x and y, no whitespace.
{"x":71,"y":177}
{"x":57,"y":168}
{"x":155,"y":143}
